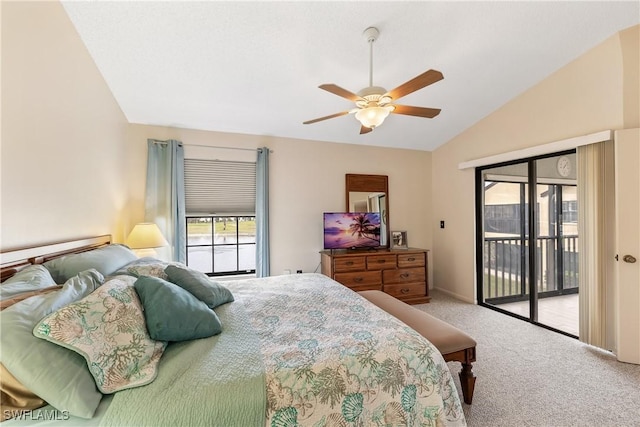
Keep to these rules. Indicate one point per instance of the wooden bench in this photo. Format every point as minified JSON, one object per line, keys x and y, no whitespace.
{"x":453,"y":344}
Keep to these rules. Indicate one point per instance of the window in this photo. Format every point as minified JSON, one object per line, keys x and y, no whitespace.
{"x":570,"y":211}
{"x":219,"y":245}
{"x":503,"y":218}
{"x":221,"y":225}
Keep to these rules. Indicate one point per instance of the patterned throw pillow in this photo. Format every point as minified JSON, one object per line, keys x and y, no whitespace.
{"x":58,"y":376}
{"x":108,"y":329}
{"x":147,"y":266}
{"x":151,"y":270}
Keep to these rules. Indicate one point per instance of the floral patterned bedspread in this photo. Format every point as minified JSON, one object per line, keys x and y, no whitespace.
{"x":334,"y":359}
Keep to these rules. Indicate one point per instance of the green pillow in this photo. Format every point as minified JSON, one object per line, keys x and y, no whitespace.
{"x":172,"y":313}
{"x":55,"y":374}
{"x":106,"y":260}
{"x":31,"y":278}
{"x":200,"y":285}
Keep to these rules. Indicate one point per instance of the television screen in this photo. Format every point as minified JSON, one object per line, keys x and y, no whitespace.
{"x":348,"y":230}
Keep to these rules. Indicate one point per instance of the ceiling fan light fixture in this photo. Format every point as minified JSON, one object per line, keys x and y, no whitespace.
{"x":374,"y":103}
{"x":372,"y":117}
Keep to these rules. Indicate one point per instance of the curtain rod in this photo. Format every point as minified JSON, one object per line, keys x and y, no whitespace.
{"x":224,"y":148}
{"x":214,"y":146}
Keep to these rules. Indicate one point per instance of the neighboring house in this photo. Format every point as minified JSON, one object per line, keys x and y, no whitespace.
{"x":72,"y":166}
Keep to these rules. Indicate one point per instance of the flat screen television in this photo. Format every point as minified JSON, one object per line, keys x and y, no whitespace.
{"x":351,"y":230}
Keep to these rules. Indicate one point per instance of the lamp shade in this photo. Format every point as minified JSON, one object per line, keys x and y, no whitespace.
{"x":372,"y":117}
{"x":146,"y":235}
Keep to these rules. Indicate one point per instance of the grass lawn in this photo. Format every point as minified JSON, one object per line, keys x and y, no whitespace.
{"x":246,"y":227}
{"x":495,"y":288}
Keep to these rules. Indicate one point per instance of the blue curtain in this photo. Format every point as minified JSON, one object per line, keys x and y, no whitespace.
{"x":262,"y":213}
{"x":164,"y":201}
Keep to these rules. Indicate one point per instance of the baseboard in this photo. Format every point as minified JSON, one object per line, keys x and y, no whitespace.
{"x":455,"y":295}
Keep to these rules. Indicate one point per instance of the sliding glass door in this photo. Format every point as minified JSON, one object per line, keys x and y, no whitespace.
{"x":527,"y":252}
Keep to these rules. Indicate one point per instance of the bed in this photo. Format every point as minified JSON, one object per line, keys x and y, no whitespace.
{"x":291,"y":350}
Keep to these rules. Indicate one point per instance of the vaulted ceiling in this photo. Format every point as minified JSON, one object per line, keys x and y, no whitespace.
{"x":254,"y":67}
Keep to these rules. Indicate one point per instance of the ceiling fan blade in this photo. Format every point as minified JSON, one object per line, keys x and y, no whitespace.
{"x":342,"y":113}
{"x":337,"y":90}
{"x":416,"y":111}
{"x":416,"y":83}
{"x":364,"y":129}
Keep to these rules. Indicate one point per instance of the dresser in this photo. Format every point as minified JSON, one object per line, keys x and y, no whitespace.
{"x":400,"y":273}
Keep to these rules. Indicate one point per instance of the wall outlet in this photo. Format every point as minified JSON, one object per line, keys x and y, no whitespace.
{"x":299,"y":271}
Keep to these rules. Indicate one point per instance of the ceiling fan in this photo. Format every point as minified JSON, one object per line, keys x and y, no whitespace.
{"x":374,"y":103}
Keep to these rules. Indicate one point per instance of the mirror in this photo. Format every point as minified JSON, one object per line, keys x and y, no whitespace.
{"x":370,"y":193}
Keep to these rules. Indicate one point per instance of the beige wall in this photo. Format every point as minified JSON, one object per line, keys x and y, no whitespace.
{"x":307,"y":178}
{"x":588,"y":95}
{"x":631,"y":76}
{"x":63,"y":134}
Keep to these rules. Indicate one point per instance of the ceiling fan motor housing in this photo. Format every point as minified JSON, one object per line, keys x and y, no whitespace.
{"x":372,"y":90}
{"x":373,"y":96}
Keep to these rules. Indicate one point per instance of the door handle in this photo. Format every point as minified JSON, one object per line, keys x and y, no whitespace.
{"x":629,"y":258}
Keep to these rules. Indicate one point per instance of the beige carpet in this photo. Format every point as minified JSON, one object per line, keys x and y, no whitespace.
{"x":530,"y":376}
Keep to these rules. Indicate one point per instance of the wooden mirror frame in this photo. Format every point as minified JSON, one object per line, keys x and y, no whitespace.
{"x":369,"y":184}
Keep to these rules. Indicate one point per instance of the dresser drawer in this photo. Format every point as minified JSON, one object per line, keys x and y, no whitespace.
{"x":381,"y":262}
{"x":411,"y":260}
{"x":405,"y":275}
{"x":406,"y":290}
{"x":360,"y":278}
{"x":352,"y":263}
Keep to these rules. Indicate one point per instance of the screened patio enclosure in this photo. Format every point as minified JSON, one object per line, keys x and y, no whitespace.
{"x":523,"y":243}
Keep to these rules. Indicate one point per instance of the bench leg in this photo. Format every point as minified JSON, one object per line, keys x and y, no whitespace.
{"x":468,"y":382}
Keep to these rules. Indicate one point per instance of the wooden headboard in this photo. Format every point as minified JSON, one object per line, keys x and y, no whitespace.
{"x":13,"y":260}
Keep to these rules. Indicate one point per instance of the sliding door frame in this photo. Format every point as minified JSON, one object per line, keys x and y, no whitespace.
{"x":532,"y":215}
{"x":532,"y":179}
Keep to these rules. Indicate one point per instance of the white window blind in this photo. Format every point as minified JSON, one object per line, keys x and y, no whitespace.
{"x":219,"y":187}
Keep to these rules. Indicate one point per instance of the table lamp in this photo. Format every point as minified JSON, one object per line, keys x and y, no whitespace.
{"x":144,"y":238}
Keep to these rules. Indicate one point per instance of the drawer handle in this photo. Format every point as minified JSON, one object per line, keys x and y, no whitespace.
{"x":411,"y":259}
{"x":404,"y":291}
{"x":349,"y":263}
{"x":382,"y":261}
{"x":405,"y":275}
{"x":358,"y":279}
